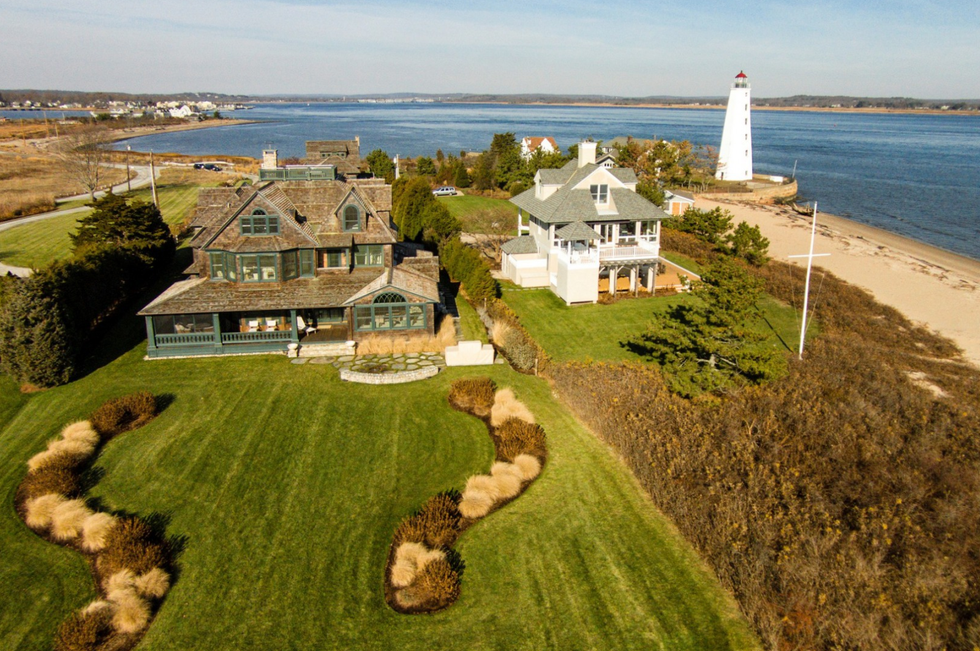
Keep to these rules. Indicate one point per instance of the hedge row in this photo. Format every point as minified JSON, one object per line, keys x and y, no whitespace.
{"x":511,"y":339}
{"x":465,"y":265}
{"x":48,"y":320}
{"x":130,"y":561}
{"x":423,"y":571}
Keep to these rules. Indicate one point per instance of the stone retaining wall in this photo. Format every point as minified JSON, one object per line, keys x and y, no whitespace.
{"x":765,"y":195}
{"x":389,"y":378}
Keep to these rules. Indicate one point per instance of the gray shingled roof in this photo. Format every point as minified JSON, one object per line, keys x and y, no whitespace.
{"x":577,"y":232}
{"x":568,"y":205}
{"x":519,"y":245}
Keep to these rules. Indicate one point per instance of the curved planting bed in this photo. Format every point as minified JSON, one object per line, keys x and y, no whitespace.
{"x":423,"y":571}
{"x":131,"y":563}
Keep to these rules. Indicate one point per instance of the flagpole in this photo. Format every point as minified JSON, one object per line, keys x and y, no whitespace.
{"x":809,"y":267}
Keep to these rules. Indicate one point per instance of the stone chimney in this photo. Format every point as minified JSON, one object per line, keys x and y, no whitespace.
{"x":586,"y":153}
{"x":270,"y":159}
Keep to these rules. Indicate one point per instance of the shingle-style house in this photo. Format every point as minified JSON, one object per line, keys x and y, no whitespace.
{"x":303,"y":261}
{"x":586,"y":225}
{"x":677,"y":202}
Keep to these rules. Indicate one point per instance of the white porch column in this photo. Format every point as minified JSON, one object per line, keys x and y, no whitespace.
{"x":613,"y":276}
{"x":651,"y":277}
{"x":633,"y":279}
{"x":520,"y":222}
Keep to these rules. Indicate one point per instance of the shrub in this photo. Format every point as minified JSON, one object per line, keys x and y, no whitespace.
{"x":131,"y":544}
{"x":121,"y":581}
{"x":515,"y":437}
{"x":529,"y":466}
{"x":475,"y":504}
{"x":437,"y":585}
{"x":508,"y":479}
{"x":95,"y":529}
{"x":407,"y":599}
{"x":67,"y":519}
{"x":153,"y":584}
{"x":505,"y":406}
{"x":125,"y":413}
{"x":84,"y":631}
{"x":57,"y":456}
{"x":74,"y":447}
{"x":39,"y":510}
{"x":403,"y":571}
{"x":58,"y":478}
{"x":474,"y":396}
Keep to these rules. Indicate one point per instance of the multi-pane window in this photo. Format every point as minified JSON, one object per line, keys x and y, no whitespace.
{"x":179,"y":324}
{"x":600,"y":193}
{"x":389,"y":311}
{"x":259,"y":268}
{"x":217,"y":264}
{"x":259,"y":223}
{"x":307,"y":264}
{"x":335,"y":259}
{"x":290,"y":265}
{"x":369,"y":255}
{"x":352,"y":218}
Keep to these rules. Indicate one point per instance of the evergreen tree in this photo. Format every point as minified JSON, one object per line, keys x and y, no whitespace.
{"x":137,"y":226}
{"x":747,"y":242}
{"x":381,"y":165}
{"x":425,"y":166}
{"x":705,"y":346}
{"x":708,"y":225}
{"x":461,"y":179}
{"x":414,"y":197}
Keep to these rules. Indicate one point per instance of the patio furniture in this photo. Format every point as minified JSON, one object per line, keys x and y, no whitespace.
{"x":253,"y":326}
{"x":271,"y":324}
{"x":301,"y":322}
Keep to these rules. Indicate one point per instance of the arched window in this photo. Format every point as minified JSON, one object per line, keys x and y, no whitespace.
{"x":258,"y":211}
{"x":352,"y":218}
{"x":259,"y":223}
{"x":389,"y":297}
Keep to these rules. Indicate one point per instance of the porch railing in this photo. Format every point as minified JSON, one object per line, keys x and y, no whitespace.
{"x":630,"y":252}
{"x":191,"y":339}
{"x":250,"y":337}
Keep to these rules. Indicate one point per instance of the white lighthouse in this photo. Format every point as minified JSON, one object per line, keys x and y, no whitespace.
{"x":735,"y":155}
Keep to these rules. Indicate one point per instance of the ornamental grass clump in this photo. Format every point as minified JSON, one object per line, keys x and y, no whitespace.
{"x":86,"y":630}
{"x":515,"y":437}
{"x":95,"y":529}
{"x":436,"y":524}
{"x":475,"y":504}
{"x":39,"y":510}
{"x":131,"y":544}
{"x":153,"y":584}
{"x":125,"y":413}
{"x":508,"y":479}
{"x":132,"y":612}
{"x":437,"y":585}
{"x":60,"y":478}
{"x":530,"y":466}
{"x":506,"y":406}
{"x":68,"y":518}
{"x":474,"y":396}
{"x":81,"y":431}
{"x":482,"y":484}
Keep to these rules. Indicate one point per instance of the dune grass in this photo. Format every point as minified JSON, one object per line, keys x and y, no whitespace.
{"x":286,"y":485}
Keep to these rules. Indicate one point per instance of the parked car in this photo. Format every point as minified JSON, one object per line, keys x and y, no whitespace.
{"x":199,"y":166}
{"x":445,"y":191}
{"x":212,"y":167}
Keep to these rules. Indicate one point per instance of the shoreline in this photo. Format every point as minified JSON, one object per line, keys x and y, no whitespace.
{"x":722,"y":107}
{"x":929,"y":285}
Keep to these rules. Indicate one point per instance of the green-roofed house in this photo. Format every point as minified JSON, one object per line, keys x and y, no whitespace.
{"x":586,"y":226}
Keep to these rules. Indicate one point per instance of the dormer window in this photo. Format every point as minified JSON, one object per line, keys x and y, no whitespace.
{"x":259,"y":223}
{"x":600,"y":193}
{"x":352,"y":218}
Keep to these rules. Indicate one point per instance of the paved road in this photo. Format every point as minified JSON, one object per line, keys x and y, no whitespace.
{"x":142,"y":179}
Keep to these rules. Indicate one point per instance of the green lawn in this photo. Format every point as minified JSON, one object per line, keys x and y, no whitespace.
{"x":594,"y":332}
{"x":462,"y":207}
{"x":287,"y":485}
{"x":470,"y":322}
{"x":40,"y":243}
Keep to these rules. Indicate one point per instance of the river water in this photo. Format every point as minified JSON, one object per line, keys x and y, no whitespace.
{"x":915,"y":175}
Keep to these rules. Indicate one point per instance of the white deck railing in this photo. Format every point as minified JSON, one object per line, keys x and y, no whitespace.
{"x":640,"y":250}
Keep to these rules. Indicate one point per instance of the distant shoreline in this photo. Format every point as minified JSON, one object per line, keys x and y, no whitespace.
{"x":721,"y":107}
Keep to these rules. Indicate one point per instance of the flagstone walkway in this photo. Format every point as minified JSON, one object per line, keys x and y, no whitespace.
{"x":395,"y":363}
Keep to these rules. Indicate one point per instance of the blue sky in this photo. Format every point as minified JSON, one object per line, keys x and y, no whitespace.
{"x":919,"y":48}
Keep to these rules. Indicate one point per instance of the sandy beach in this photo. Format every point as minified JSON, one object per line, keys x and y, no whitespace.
{"x":933,"y":287}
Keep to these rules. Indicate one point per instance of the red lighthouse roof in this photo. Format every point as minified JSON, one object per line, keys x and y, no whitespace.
{"x":741,"y":75}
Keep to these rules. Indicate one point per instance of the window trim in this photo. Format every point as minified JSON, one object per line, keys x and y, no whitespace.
{"x":269,"y":223}
{"x":344,"y":221}
{"x":366,"y":248}
{"x":600,"y":193}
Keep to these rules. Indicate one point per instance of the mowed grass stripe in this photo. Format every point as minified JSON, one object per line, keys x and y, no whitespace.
{"x":288,"y":484}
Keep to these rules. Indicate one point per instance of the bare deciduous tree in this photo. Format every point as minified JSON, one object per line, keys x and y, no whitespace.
{"x":83,"y":154}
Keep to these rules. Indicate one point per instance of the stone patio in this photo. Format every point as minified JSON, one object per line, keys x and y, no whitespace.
{"x":395,"y":363}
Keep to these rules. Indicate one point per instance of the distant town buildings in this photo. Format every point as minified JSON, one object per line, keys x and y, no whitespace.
{"x":735,"y":154}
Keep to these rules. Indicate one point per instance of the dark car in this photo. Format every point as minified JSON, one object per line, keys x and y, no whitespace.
{"x":212,"y":167}
{"x":199,"y":166}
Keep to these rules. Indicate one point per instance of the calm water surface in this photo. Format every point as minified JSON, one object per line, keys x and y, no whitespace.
{"x":916,"y":175}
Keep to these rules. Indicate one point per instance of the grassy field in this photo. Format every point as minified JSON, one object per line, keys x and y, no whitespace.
{"x":286,"y":485}
{"x":470,"y":322}
{"x":39,"y":243}
{"x":594,"y":332}
{"x":465,"y":207}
